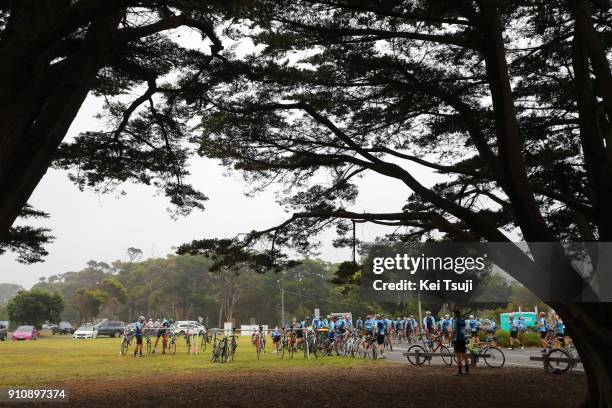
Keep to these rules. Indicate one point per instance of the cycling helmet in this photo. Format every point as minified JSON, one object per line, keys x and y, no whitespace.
{"x":141,"y":318}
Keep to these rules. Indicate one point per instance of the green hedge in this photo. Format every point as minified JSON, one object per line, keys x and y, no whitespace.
{"x":503,"y":337}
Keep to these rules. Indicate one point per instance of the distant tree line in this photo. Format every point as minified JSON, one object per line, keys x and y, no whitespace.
{"x":188,"y":287}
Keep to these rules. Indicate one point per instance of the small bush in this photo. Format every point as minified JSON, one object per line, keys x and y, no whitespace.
{"x":530,"y":339}
{"x":503,"y":338}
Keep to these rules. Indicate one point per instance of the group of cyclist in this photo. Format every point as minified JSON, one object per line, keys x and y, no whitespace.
{"x":379,"y":328}
{"x":157,"y":328}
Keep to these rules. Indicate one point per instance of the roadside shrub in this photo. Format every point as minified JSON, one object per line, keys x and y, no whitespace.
{"x":530,"y":339}
{"x":503,"y":338}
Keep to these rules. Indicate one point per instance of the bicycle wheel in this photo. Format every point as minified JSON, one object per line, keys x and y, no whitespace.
{"x":413,"y":359}
{"x":313,"y":349}
{"x":216,"y":353}
{"x":473,"y":359}
{"x":124,"y":347}
{"x":188,"y":343}
{"x":172,"y":347}
{"x":363,"y":349}
{"x":496,"y":358}
{"x":447,"y":357}
{"x":280,"y":350}
{"x":149,"y":345}
{"x":351,"y":349}
{"x":233,"y":350}
{"x":558,"y":366}
{"x":258,"y":350}
{"x":225,"y":354}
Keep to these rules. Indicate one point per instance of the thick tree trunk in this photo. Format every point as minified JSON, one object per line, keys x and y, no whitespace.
{"x":516,"y":184}
{"x":593,"y":138}
{"x":39,"y":108}
{"x":589,"y":327}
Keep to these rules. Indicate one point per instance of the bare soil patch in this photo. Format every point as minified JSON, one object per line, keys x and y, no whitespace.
{"x":325,"y":387}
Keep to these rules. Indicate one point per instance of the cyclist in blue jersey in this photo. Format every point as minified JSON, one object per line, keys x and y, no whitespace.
{"x":317,"y":323}
{"x":559,"y":329}
{"x":429,"y":324}
{"x":359,"y":326}
{"x":332,"y":324}
{"x":543,"y":328}
{"x":276,"y":335}
{"x":369,"y":325}
{"x":522,"y":326}
{"x":445,"y":326}
{"x":163,"y":333}
{"x":299,"y":333}
{"x":459,"y":342}
{"x":381,"y":331}
{"x":406,"y":327}
{"x":398,"y":328}
{"x":138,"y":326}
{"x":276,"y":338}
{"x":514,"y":333}
{"x":341,"y":326}
{"x":473,"y":324}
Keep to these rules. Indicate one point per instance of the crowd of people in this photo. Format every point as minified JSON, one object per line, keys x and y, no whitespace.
{"x":158,"y":328}
{"x":383,"y":330}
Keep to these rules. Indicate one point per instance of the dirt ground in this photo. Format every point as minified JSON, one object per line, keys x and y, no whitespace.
{"x":324,"y":387}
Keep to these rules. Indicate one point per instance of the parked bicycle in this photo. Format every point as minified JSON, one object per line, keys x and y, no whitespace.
{"x":563,"y":352}
{"x":492,"y":355}
{"x":127,"y":336}
{"x":429,"y":346}
{"x":259,"y":343}
{"x":224,"y":348}
{"x":368,"y":347}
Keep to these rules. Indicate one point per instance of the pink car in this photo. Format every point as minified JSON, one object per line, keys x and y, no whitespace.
{"x":25,"y":333}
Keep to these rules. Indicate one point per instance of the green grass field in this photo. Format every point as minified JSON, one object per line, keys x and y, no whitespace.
{"x":56,"y":359}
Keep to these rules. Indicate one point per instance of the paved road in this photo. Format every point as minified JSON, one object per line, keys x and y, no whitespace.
{"x":514,"y":358}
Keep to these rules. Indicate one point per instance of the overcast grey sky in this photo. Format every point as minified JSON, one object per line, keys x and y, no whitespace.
{"x":100,"y":227}
{"x":89,"y":226}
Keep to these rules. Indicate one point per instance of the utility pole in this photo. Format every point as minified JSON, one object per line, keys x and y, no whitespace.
{"x":283,"y":306}
{"x":282,"y":294}
{"x":354,"y":243}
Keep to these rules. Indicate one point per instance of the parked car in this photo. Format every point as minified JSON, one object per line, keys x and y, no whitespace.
{"x":86,"y":331}
{"x":63,"y":328}
{"x":25,"y":333}
{"x":110,"y":328}
{"x":183,"y":327}
{"x":48,"y":326}
{"x":487,"y":325}
{"x":3,"y":332}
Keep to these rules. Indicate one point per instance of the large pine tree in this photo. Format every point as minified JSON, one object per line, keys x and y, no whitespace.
{"x":508,"y":100}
